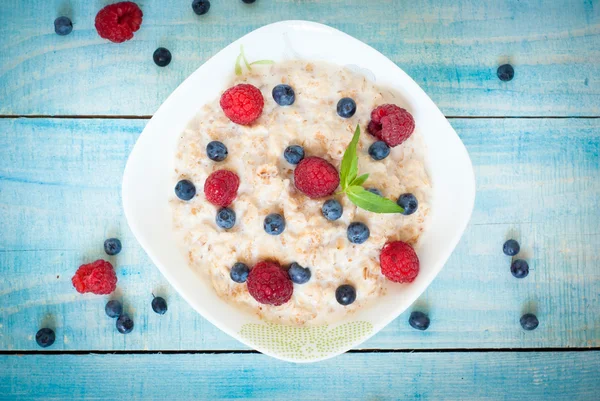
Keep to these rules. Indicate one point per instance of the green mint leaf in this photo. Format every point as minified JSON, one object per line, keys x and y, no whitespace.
{"x":262,"y":62}
{"x":244,"y":58}
{"x":349,"y":167}
{"x":371,"y":202}
{"x":360,"y":180}
{"x":238,"y":67}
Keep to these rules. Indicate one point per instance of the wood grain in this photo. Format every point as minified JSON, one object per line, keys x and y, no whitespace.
{"x":424,"y":376}
{"x":537,"y":181}
{"x":452,"y":49}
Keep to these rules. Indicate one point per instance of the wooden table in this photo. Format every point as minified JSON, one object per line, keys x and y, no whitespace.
{"x":72,"y":108}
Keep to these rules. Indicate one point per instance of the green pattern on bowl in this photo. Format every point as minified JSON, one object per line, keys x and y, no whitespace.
{"x":304,"y":343}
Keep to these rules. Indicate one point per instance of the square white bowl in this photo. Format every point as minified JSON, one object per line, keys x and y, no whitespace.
{"x":148,"y":187}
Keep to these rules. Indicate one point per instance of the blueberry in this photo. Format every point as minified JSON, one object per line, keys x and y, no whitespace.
{"x":419,"y":321}
{"x":162,"y":57}
{"x":113,"y":308}
{"x":225,"y":218}
{"x":45,"y":337}
{"x":239,"y":272}
{"x":375,"y":191}
{"x":529,"y":321}
{"x":299,"y":274}
{"x":216,"y":151}
{"x":345,"y":294}
{"x":505,"y":72}
{"x":63,"y":26}
{"x":511,"y":247}
{"x":159,"y":305}
{"x":294,"y":154}
{"x":346,"y":107}
{"x":519,"y":268}
{"x":274,"y":224}
{"x":332,"y":209}
{"x":112,"y":246}
{"x":379,"y":150}
{"x":200,"y":7}
{"x":358,"y":233}
{"x":409,"y":203}
{"x":185,"y":190}
{"x":284,"y":95}
{"x":124,"y":324}
{"x":248,"y":1}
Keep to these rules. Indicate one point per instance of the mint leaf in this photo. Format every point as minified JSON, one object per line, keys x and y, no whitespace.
{"x":262,"y":62}
{"x":360,"y":180}
{"x":349,"y":167}
{"x":244,"y":58}
{"x":371,"y":202}
{"x":238,"y":67}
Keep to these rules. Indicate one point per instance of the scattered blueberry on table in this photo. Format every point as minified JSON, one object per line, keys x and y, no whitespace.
{"x":216,"y":151}
{"x":274,"y":224}
{"x":185,"y":190}
{"x":299,"y":274}
{"x":293,"y":154}
{"x":346,"y":107}
{"x":375,"y":191}
{"x":225,"y":218}
{"x":505,"y":72}
{"x":345,"y":294}
{"x":511,"y":247}
{"x":113,"y":308}
{"x":332,"y":209}
{"x":112,"y":246}
{"x":284,"y":95}
{"x":162,"y":57}
{"x":248,"y":1}
{"x":379,"y":150}
{"x":124,"y":324}
{"x":409,"y":203}
{"x":200,"y":7}
{"x":239,"y":272}
{"x":159,"y":305}
{"x":45,"y":337}
{"x":63,"y":26}
{"x":519,"y":268}
{"x":529,"y":321}
{"x":358,"y":233}
{"x":419,"y":320}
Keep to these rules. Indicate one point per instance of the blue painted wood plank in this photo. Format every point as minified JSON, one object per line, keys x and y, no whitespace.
{"x":385,"y":376}
{"x":452,"y":49}
{"x":537,"y":181}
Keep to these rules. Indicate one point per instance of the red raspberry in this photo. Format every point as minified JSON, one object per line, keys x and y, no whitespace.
{"x":316,"y":177}
{"x":98,"y":277}
{"x":399,"y":262}
{"x":243,"y":104}
{"x":391,"y":124}
{"x":117,"y":22}
{"x":221,"y":187}
{"x":269,"y":284}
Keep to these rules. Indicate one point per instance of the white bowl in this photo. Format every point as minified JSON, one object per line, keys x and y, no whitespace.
{"x":148,"y":186}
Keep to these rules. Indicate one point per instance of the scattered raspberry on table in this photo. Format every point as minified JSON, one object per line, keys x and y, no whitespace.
{"x":117,"y":22}
{"x":98,"y":278}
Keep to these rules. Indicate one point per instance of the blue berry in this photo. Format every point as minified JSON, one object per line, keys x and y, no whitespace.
{"x":519,"y":268}
{"x":529,"y":321}
{"x":299,"y":274}
{"x":113,"y":308}
{"x":45,"y":337}
{"x":239,"y":272}
{"x":216,"y":151}
{"x":124,"y":324}
{"x":294,"y":154}
{"x":284,"y":95}
{"x":505,"y":72}
{"x":375,"y":191}
{"x":346,"y":107}
{"x":511,"y":247}
{"x":248,"y":1}
{"x":274,"y":224}
{"x":345,"y":294}
{"x":419,"y":321}
{"x":409,"y":203}
{"x":358,"y":233}
{"x":112,"y":246}
{"x":200,"y":7}
{"x":63,"y":26}
{"x":159,"y":305}
{"x":185,"y":190}
{"x":379,"y":150}
{"x":332,"y":209}
{"x":161,"y":57}
{"x":225,"y":218}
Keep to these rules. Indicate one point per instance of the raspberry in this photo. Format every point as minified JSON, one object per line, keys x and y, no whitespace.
{"x":221,"y":187}
{"x":269,"y":284}
{"x":391,"y":124}
{"x":98,"y":277}
{"x":243,"y":104}
{"x":399,"y":262}
{"x":316,"y":177}
{"x":117,"y":22}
